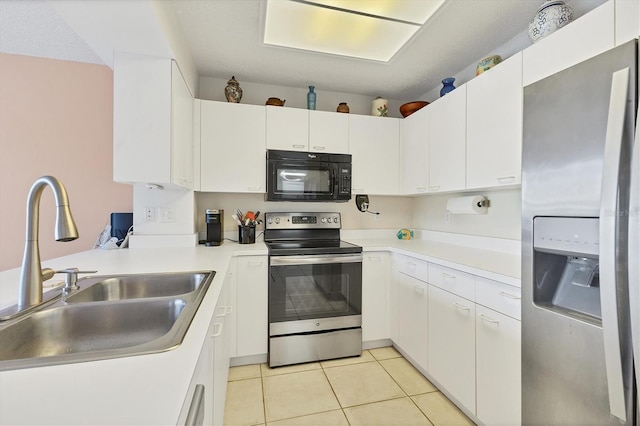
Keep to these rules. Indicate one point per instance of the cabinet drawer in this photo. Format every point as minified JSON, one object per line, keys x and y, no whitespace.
{"x":452,"y":280}
{"x":498,"y":296}
{"x":413,"y":267}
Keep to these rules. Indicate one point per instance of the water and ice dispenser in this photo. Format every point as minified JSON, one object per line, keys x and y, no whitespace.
{"x":565,"y":266}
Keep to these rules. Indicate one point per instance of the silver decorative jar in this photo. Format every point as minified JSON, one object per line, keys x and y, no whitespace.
{"x":551,"y":16}
{"x":233,"y":92}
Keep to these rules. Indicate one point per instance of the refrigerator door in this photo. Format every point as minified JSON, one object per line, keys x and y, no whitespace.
{"x":566,"y":372}
{"x":634,"y":253}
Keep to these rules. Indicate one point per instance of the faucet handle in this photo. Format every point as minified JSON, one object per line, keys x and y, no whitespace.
{"x":71,"y":280}
{"x":47,"y":273}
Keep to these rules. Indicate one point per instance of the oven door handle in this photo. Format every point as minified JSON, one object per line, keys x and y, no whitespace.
{"x":314,"y":259}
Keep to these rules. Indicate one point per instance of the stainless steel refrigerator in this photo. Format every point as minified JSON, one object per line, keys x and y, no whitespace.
{"x":580,"y":244}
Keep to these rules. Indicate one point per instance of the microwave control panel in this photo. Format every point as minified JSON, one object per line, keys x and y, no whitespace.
{"x":344,"y":180}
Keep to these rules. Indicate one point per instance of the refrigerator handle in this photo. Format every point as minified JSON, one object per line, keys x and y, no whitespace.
{"x":608,"y":216}
{"x":634,"y":248}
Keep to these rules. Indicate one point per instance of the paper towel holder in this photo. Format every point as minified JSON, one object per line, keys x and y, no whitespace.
{"x":474,"y":204}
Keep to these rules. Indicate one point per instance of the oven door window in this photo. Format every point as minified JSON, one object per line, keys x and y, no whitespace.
{"x":291,"y":179}
{"x":299,"y":292}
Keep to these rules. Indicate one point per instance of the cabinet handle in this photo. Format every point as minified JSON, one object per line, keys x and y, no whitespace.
{"x":445,"y":275}
{"x":298,"y":146}
{"x":434,"y":188}
{"x":217,"y":326}
{"x":319,"y":148}
{"x":357,"y":189}
{"x":506,"y":179}
{"x":487,"y":319}
{"x":509,"y":296}
{"x":228,"y":309}
{"x":374,"y":259}
{"x":254,"y":264}
{"x":223,"y":311}
{"x":421,"y":188}
{"x":254,"y":188}
{"x":462,"y":307}
{"x":418,"y":289}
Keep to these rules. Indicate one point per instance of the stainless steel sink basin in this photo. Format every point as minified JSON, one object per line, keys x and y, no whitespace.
{"x":136,"y":287}
{"x":109,"y":317}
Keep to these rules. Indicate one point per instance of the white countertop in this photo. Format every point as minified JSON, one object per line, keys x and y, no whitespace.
{"x":92,"y":392}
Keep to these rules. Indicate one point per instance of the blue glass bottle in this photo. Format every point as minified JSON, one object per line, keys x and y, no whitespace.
{"x":311,"y":98}
{"x":447,"y":86}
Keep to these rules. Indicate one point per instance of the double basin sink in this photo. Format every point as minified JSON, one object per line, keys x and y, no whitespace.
{"x":108,"y":317}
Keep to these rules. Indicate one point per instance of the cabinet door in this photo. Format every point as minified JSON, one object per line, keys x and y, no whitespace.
{"x":181,"y":130}
{"x":627,"y":20}
{"x":498,"y":368}
{"x":328,"y":132}
{"x":415,"y":152}
{"x":410,"y":314}
{"x":451,"y":344}
{"x":375,"y":296}
{"x":588,"y":36}
{"x":494,"y":126}
{"x":374,"y":143}
{"x":287,"y":128}
{"x":251,"y":326}
{"x":232,"y":148}
{"x":447,"y":141}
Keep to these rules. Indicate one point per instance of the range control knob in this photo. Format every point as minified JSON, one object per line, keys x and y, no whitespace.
{"x":277,"y":220}
{"x":269,"y":220}
{"x":323,"y":220}
{"x":335,"y":220}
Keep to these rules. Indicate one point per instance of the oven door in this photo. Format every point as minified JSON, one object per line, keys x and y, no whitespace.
{"x":314,"y":292}
{"x":300,"y":180}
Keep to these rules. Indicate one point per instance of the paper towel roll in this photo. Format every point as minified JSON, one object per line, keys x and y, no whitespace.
{"x":467,"y":205}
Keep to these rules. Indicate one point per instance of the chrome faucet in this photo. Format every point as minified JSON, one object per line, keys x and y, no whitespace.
{"x":32,"y":275}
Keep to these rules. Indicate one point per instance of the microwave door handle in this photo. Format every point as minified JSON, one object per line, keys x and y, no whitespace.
{"x":608,"y":219}
{"x":634,"y":248}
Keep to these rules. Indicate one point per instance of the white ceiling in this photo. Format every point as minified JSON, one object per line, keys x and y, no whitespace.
{"x":225,"y":39}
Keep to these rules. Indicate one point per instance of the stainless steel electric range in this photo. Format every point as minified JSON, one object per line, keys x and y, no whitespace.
{"x":315,"y":289}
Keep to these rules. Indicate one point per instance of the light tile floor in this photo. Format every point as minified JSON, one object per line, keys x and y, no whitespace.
{"x":379,"y":387}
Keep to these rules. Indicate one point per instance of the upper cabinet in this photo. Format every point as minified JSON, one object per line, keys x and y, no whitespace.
{"x":328,"y":132}
{"x":152,"y":122}
{"x":374,"y":143}
{"x":494,"y":126}
{"x":415,"y":152}
{"x":447,"y":140}
{"x":292,"y":129}
{"x":588,"y":36}
{"x":627,"y":20}
{"x":232,"y":147}
{"x":287,"y":128}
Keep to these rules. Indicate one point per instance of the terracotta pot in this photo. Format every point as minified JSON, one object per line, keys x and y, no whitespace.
{"x":275,"y":102}
{"x":343,"y":107}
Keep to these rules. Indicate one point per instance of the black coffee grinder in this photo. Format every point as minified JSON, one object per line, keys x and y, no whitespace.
{"x":214,"y":220}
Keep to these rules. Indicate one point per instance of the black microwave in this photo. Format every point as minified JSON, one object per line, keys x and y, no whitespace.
{"x":308,"y":176}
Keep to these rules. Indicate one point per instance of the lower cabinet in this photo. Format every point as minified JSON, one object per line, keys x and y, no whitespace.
{"x":375,"y":296}
{"x":252,"y":301}
{"x":497,"y":367}
{"x":451,"y":344}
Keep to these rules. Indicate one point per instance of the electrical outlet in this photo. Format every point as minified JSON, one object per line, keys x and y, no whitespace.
{"x":167,"y":215}
{"x":149,"y":214}
{"x":378,"y":216}
{"x":447,"y":216}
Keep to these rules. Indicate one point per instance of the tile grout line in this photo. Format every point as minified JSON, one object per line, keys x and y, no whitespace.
{"x":264,"y":397}
{"x":334,"y":393}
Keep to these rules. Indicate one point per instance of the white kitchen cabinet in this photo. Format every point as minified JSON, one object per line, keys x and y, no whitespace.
{"x":447,"y":141}
{"x":627,"y":20}
{"x":409,"y":310}
{"x":494,"y":126}
{"x":152,"y":122}
{"x":415,"y":152}
{"x":375,"y":296}
{"x":252,"y":320}
{"x":232,"y":147}
{"x":374,"y":143}
{"x":451,"y":344}
{"x":498,"y":368}
{"x":287,"y":128}
{"x":582,"y":39}
{"x":328,"y":132}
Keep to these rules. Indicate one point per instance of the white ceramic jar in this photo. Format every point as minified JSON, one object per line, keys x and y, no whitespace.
{"x":551,"y":16}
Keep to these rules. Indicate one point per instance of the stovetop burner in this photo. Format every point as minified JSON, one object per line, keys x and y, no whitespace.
{"x":312,"y":247}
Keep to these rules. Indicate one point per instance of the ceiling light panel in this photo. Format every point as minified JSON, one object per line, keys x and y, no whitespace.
{"x":310,"y":27}
{"x":415,"y":11}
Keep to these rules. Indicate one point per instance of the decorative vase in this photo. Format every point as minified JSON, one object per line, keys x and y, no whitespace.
{"x":551,"y":16}
{"x":233,"y":92}
{"x":343,"y":107}
{"x":311,"y":98}
{"x":379,"y":107}
{"x":488,"y":63}
{"x":447,"y":86}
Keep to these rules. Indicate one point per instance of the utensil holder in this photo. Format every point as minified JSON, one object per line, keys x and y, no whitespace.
{"x":247,"y":234}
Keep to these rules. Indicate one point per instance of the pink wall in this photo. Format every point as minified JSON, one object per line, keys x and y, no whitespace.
{"x":56,"y":118}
